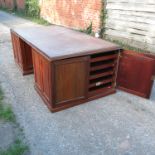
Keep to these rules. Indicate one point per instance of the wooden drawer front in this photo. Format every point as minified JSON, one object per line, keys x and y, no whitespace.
{"x":103,"y":68}
{"x":70,"y":81}
{"x":42,"y":75}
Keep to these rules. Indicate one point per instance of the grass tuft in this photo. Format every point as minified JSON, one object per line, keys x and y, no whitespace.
{"x":34,"y":19}
{"x":6,"y":112}
{"x":17,"y":148}
{"x":127,"y":46}
{"x":88,"y":30}
{"x":1,"y":95}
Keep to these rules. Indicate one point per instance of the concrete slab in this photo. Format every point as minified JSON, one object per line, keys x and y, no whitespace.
{"x":153,"y":93}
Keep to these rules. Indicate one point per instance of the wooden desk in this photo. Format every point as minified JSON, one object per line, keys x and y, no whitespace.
{"x":70,"y":67}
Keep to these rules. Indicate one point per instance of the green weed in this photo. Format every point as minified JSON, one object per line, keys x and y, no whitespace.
{"x":6,"y":112}
{"x":17,"y":148}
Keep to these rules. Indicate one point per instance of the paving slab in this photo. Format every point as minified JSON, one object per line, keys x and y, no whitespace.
{"x":119,"y":124}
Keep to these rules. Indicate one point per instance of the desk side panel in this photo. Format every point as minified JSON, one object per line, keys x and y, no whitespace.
{"x":43,"y":79}
{"x":17,"y":50}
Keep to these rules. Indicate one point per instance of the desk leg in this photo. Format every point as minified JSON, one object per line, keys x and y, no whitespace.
{"x":22,"y":54}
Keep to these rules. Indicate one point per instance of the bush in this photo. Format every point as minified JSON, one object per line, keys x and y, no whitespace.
{"x":32,"y":8}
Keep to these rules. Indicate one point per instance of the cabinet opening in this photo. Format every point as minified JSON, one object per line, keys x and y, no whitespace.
{"x":94,"y":64}
{"x":101,"y":79}
{"x":103,"y":54}
{"x":101,"y":86}
{"x":101,"y":71}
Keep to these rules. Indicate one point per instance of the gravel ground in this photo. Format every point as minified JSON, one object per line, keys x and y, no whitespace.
{"x":7,"y":134}
{"x":119,"y":124}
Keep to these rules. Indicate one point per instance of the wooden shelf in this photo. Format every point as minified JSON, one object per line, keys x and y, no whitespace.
{"x":101,"y":75}
{"x":99,"y":90}
{"x":104,"y":58}
{"x":100,"y":83}
{"x":102,"y":71}
{"x":102,"y":66}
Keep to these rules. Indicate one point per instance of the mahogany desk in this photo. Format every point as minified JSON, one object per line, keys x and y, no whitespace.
{"x":69,"y":67}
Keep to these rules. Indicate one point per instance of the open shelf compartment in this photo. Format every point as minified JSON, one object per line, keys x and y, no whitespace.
{"x":102,"y":73}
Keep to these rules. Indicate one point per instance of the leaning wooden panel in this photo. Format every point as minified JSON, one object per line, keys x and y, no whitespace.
{"x":135,"y":73}
{"x":151,"y":55}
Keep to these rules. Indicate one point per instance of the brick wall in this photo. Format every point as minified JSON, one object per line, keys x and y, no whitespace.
{"x":10,"y":4}
{"x":7,"y":4}
{"x":72,"y":13}
{"x":2,"y":3}
{"x":20,"y":4}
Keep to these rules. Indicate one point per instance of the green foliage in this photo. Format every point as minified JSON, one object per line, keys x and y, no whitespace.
{"x":31,"y":12}
{"x":32,"y":8}
{"x":1,"y":95}
{"x":39,"y":20}
{"x":88,"y":30}
{"x":17,"y":148}
{"x":103,"y":17}
{"x":6,"y":112}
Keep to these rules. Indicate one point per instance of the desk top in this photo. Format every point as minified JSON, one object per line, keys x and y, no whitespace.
{"x":57,"y":42}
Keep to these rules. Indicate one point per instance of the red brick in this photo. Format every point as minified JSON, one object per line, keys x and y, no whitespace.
{"x":7,"y":4}
{"x":20,"y":4}
{"x":72,"y":13}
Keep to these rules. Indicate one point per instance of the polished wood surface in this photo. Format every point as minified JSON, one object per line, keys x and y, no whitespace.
{"x":70,"y":80}
{"x":57,"y":42}
{"x":135,"y":73}
{"x":42,"y":74}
